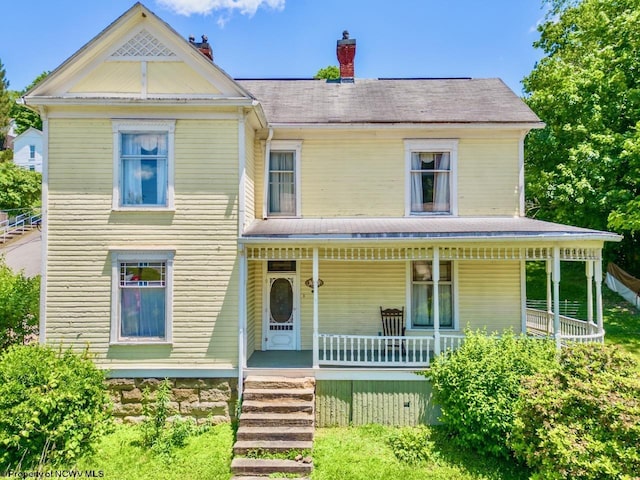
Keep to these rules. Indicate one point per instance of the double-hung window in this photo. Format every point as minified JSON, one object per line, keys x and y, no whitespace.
{"x":422,"y":294}
{"x":141,"y":297}
{"x":143,"y":164}
{"x":431,"y":180}
{"x":283,"y":179}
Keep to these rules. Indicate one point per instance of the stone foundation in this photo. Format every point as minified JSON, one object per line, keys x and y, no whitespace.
{"x":206,"y":400}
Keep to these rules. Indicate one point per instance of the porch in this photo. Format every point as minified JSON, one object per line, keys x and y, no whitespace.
{"x":447,"y":274}
{"x":365,"y":351}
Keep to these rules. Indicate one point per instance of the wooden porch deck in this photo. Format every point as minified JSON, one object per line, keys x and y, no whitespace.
{"x":281,"y":359}
{"x":292,"y":359}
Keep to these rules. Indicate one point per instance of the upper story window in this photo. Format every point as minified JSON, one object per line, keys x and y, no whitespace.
{"x":431,"y":179}
{"x":32,"y":152}
{"x":283,"y":179}
{"x":143,"y":164}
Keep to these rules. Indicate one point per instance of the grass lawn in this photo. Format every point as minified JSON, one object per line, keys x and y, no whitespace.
{"x":348,"y":453}
{"x":621,"y":319}
{"x":119,"y":457}
{"x":362,"y":453}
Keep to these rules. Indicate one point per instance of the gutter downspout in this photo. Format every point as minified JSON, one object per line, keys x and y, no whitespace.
{"x":265,"y":195}
{"x":44,"y":230}
{"x":242,"y":172}
{"x":521,"y":182}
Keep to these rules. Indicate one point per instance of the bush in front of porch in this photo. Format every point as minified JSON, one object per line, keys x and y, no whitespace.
{"x":581,"y":420}
{"x":477,"y":386}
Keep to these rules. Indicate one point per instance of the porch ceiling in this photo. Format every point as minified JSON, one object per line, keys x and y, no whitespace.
{"x":436,"y":228}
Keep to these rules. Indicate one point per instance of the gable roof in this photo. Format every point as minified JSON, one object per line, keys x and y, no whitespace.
{"x":390,"y":101}
{"x":117,"y":42}
{"x":27,"y":132}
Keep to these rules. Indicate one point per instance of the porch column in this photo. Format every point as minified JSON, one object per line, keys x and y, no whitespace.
{"x":598,"y":278}
{"x":435,"y":274}
{"x":556,"y":295}
{"x":589,"y":273}
{"x":549,"y":269}
{"x":316,"y":353}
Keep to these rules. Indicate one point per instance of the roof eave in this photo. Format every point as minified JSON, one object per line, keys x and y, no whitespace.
{"x":432,"y":238}
{"x":404,"y":125}
{"x":155,"y":101}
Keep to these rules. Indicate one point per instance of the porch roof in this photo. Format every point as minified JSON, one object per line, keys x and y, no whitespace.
{"x":442,"y":228}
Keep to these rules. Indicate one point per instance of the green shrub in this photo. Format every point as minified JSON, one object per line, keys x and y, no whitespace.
{"x":477,"y":385}
{"x":158,"y":433}
{"x":53,"y":406}
{"x":19,"y":306}
{"x":413,"y":445}
{"x":583,"y":419}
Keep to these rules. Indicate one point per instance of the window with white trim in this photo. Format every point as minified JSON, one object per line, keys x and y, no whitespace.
{"x":431,"y":176}
{"x":283,"y":179}
{"x":32,"y":152}
{"x":143,"y":164}
{"x":422,"y":298}
{"x":141,"y":297}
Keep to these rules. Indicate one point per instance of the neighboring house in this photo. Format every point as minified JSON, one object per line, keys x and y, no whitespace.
{"x":198,"y":226}
{"x":27,"y":150}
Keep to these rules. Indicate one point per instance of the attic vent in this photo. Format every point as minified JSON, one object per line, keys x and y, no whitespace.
{"x":143,"y":45}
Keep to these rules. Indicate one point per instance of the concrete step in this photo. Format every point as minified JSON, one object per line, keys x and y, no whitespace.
{"x":253,"y":381}
{"x":295,"y":434}
{"x":271,"y":406}
{"x":244,"y":446}
{"x":267,"y":466}
{"x":278,"y":394}
{"x":266,"y":419}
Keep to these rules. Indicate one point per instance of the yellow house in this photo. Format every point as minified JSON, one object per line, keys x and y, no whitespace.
{"x":200,"y":227}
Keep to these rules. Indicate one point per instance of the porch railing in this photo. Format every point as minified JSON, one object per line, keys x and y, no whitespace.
{"x":540,"y":323}
{"x":383,"y":351}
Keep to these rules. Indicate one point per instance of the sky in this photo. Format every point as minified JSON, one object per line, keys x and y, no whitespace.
{"x":295,"y":38}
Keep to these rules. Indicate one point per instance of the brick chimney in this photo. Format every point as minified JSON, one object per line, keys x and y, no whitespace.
{"x":346,"y":51}
{"x":203,"y":46}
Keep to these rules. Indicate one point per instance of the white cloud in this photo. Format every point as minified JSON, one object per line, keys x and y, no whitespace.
{"x":226,"y":7}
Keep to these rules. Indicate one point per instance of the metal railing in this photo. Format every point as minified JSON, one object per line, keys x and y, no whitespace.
{"x":19,"y":224}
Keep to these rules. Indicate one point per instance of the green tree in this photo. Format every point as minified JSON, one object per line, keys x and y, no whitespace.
{"x":5,"y":104}
{"x":24,"y":116}
{"x":19,"y":306}
{"x":19,"y":188}
{"x":330,"y":73}
{"x":583,"y":168}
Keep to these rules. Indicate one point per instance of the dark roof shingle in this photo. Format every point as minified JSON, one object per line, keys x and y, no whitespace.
{"x":389,"y":101}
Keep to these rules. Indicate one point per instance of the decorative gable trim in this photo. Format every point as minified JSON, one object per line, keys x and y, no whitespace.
{"x":143,"y":45}
{"x":136,"y":36}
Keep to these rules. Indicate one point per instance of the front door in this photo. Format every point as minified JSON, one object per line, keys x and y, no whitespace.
{"x":281,"y":319}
